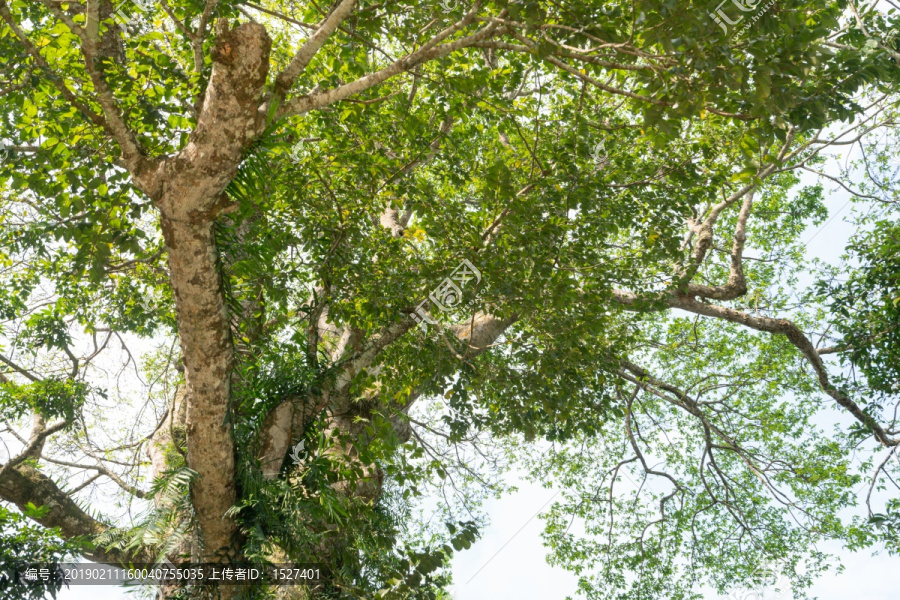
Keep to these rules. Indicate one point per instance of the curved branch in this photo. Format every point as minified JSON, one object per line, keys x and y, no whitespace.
{"x":34,"y":443}
{"x":134,"y":491}
{"x":737,"y":283}
{"x":111,"y":121}
{"x":769,"y":325}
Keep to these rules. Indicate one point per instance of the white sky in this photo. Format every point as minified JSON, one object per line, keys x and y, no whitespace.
{"x":519,"y":571}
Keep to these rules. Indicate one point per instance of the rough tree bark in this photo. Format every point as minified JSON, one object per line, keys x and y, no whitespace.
{"x":190,"y":198}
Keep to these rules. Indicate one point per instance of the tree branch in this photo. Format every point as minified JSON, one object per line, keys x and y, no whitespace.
{"x":34,"y":443}
{"x":769,"y":325}
{"x":431,"y":50}
{"x":286,"y":79}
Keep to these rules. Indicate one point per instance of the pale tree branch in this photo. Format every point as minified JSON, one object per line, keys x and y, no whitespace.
{"x":640,"y":377}
{"x":57,"y":81}
{"x":132,"y":154}
{"x":737,"y":283}
{"x":195,"y":37}
{"x":134,"y":491}
{"x":366,"y":356}
{"x":20,"y":370}
{"x":92,"y":21}
{"x":37,"y":439}
{"x":845,"y":348}
{"x":23,"y":484}
{"x":678,"y":488}
{"x":286,"y":79}
{"x":429,"y":51}
{"x":277,"y":430}
{"x":774,"y":326}
{"x":392,"y":219}
{"x":201,"y":29}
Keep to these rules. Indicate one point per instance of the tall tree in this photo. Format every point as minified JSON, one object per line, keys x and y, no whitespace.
{"x":363,"y":235}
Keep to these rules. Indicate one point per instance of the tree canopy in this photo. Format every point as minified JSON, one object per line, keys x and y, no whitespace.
{"x":291,"y":282}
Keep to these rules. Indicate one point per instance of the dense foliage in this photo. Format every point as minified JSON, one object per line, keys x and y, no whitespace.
{"x":220,"y":221}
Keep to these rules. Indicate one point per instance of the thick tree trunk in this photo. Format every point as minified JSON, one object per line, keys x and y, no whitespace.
{"x":190,"y":198}
{"x":208,"y":355}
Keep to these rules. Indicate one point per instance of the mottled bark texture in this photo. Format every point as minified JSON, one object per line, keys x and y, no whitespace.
{"x":276,"y":439}
{"x":191,"y":196}
{"x":206,"y":346}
